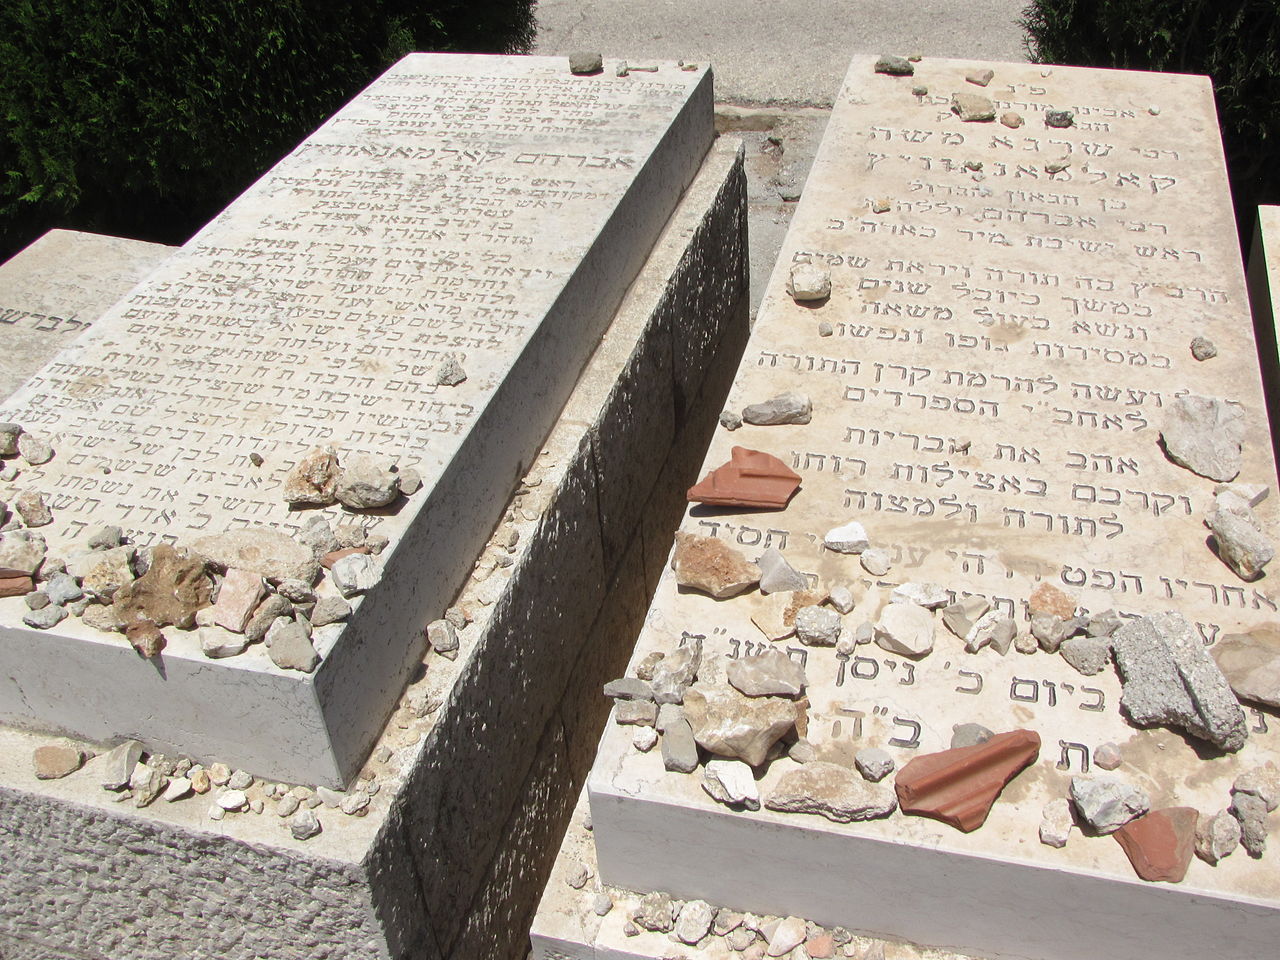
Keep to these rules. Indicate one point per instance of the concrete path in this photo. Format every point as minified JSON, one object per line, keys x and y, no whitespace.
{"x":789,"y":52}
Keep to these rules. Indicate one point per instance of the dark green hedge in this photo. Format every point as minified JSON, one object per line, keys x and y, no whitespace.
{"x":144,"y":118}
{"x":1236,"y":42}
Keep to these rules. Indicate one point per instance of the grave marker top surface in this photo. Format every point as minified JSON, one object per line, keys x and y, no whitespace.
{"x":1008,"y":334}
{"x":439,"y":213}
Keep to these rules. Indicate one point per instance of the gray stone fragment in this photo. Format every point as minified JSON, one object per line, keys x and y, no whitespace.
{"x":841,"y":598}
{"x":728,"y":724}
{"x":296,"y":591}
{"x":1059,"y":118}
{"x":33,"y":449}
{"x":628,"y":688}
{"x":790,"y":407}
{"x":969,"y":735}
{"x":817,"y":626}
{"x":928,"y":595}
{"x":318,"y":536}
{"x":289,"y":646}
{"x":1106,"y":756}
{"x":740,"y":938}
{"x":694,"y":921}
{"x":679,"y":749}
{"x":104,"y":538}
{"x":304,"y":825}
{"x":961,"y":616}
{"x":906,"y":629}
{"x":1169,"y":678}
{"x":117,"y":766}
{"x":655,"y":912}
{"x":240,"y":780}
{"x":771,"y":673}
{"x":786,"y":936}
{"x":809,"y":282}
{"x":9,"y":433}
{"x":1056,"y":823}
{"x":675,"y":672}
{"x":62,"y":589}
{"x":730,"y":420}
{"x":850,"y":538}
{"x":992,"y":629}
{"x":146,"y":783}
{"x":443,"y":637}
{"x":1089,"y":655}
{"x":1242,"y":546}
{"x":1051,"y":630}
{"x":1217,"y":837}
{"x":1103,"y":624}
{"x":218,"y":644}
{"x":972,"y":107}
{"x":21,"y":554}
{"x":895,"y":66}
{"x":644,"y":739}
{"x":1204,"y":435}
{"x":831,"y":791}
{"x":270,"y":610}
{"x":329,"y":610}
{"x":876,"y":561}
{"x":1263,"y":782}
{"x":585,"y":63}
{"x":668,"y":713}
{"x":354,"y":574}
{"x":450,"y":372}
{"x":732,"y":783}
{"x":1202,"y":348}
{"x":777,"y":575}
{"x":269,"y":553}
{"x":36,"y":600}
{"x":367,"y":482}
{"x":635,"y":712}
{"x":825,"y":329}
{"x":602,"y":904}
{"x":32,"y":508}
{"x":1251,"y":811}
{"x":873,"y":763}
{"x":1252,"y":493}
{"x":1107,"y":803}
{"x":287,"y":805}
{"x":46,"y":617}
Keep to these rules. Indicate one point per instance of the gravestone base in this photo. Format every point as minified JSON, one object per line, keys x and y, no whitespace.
{"x":474,"y":794}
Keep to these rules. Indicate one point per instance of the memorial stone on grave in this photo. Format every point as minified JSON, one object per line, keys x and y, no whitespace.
{"x":996,"y":380}
{"x":419,"y":282}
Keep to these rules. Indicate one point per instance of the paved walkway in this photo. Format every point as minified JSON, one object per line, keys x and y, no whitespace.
{"x":785,"y":52}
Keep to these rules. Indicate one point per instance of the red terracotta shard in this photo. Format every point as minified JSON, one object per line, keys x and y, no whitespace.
{"x":749,"y":479}
{"x":959,"y":786}
{"x":1160,"y":844}
{"x":333,"y":556}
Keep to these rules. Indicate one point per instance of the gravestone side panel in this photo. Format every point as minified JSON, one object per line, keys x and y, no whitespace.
{"x":55,"y":288}
{"x":1011,"y":320}
{"x":489,"y":210}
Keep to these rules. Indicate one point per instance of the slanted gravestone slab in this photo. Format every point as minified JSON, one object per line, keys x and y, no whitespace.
{"x":53,"y":289}
{"x":1011,"y":319}
{"x":480,"y":211}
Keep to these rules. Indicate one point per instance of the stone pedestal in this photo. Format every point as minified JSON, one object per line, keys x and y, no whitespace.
{"x":486,"y":212}
{"x":1010,"y":325}
{"x":471,"y":781}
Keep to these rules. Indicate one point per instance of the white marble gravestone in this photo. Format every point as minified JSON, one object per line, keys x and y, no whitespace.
{"x":1010,"y":321}
{"x":488,"y":209}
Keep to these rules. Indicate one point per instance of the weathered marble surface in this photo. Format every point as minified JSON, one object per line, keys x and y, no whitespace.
{"x":1005,"y":344}
{"x":53,"y":289}
{"x":490,"y":208}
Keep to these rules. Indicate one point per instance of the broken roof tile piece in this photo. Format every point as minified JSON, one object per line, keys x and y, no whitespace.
{"x":959,"y":786}
{"x":750,"y":479}
{"x":1160,"y":844}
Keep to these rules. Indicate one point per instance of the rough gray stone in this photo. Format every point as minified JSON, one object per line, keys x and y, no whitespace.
{"x":37,"y":600}
{"x":895,"y":66}
{"x":1107,"y":756}
{"x":367,"y":483}
{"x":46,"y":617}
{"x":927,"y":595}
{"x":636,"y":712}
{"x":443,"y":638}
{"x":841,"y":598}
{"x":644,"y":739}
{"x":969,"y":735}
{"x":289,"y":646}
{"x":117,"y":766}
{"x":1263,"y":782}
{"x":831,"y":791}
{"x":876,"y":561}
{"x":32,"y":508}
{"x":873,"y":763}
{"x":991,"y":629}
{"x":355,"y":573}
{"x":1204,"y":435}
{"x":972,"y":107}
{"x":694,"y":921}
{"x":728,"y":724}
{"x":1056,"y":823}
{"x":329,"y":610}
{"x":20,"y":555}
{"x":9,"y":433}
{"x":1107,"y":803}
{"x":1103,"y":624}
{"x":105,"y":537}
{"x":628,"y":688}
{"x":675,"y":672}
{"x":809,"y":282}
{"x":272,"y":555}
{"x":1251,"y":493}
{"x":450,"y":372}
{"x":1242,"y":546}
{"x":730,"y":420}
{"x":1217,"y":837}
{"x":679,"y":749}
{"x":1089,"y":655}
{"x":1251,"y":811}
{"x":1059,"y":118}
{"x":732,"y":783}
{"x":33,"y":449}
{"x":270,"y":610}
{"x":817,"y":626}
{"x":1169,"y":678}
{"x":146,"y":783}
{"x":771,"y":673}
{"x":296,"y":591}
{"x":655,"y":912}
{"x":218,"y":644}
{"x":906,"y":629}
{"x":777,"y":575}
{"x":850,"y":538}
{"x":585,"y":63}
{"x":304,"y":825}
{"x":1202,"y":348}
{"x":62,"y":589}
{"x":960,"y":617}
{"x":790,"y":407}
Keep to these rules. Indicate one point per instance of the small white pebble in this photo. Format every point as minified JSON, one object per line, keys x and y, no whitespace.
{"x":1153,"y":110}
{"x":216,"y":812}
